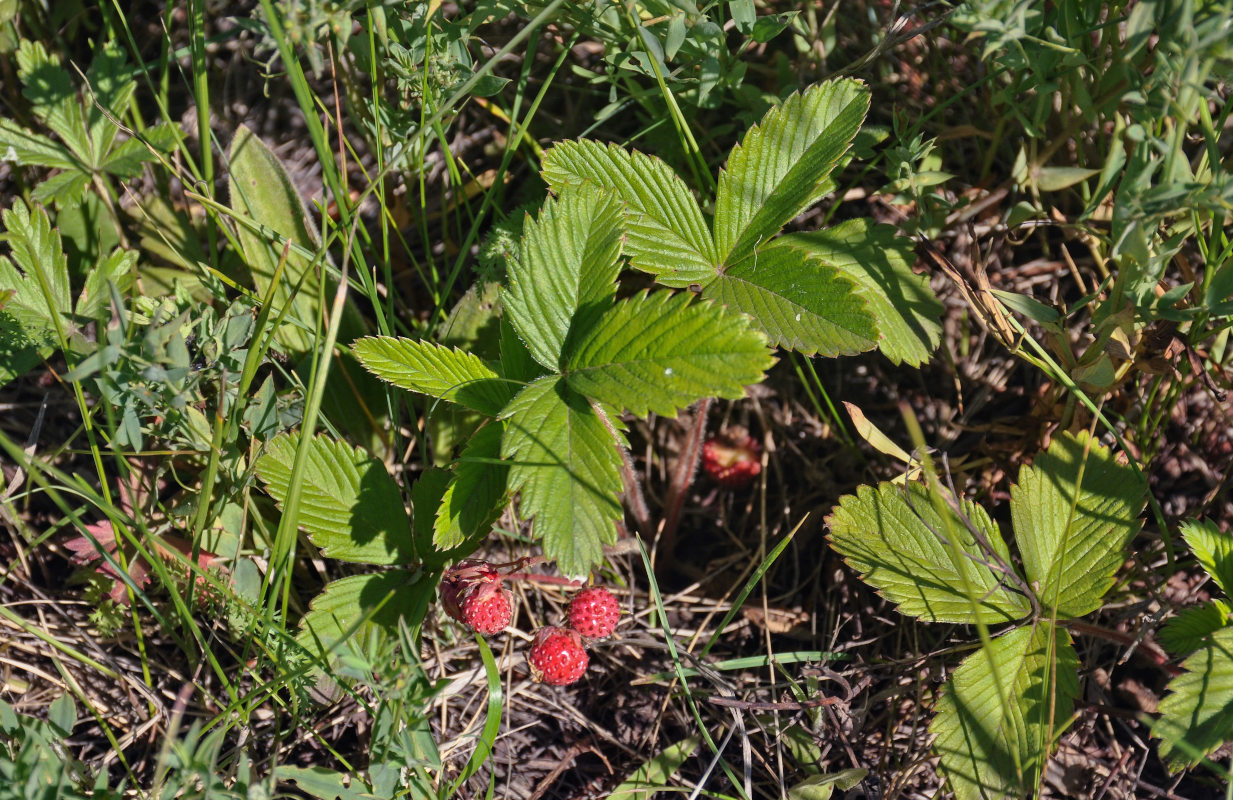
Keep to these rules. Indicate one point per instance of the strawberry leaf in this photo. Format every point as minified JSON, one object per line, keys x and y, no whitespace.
{"x":476,"y":495}
{"x":565,"y":463}
{"x":1197,"y":715}
{"x":661,"y":352}
{"x":908,"y":313}
{"x":352,"y":612}
{"x":570,"y":261}
{"x":440,"y":372}
{"x":777,"y":170}
{"x":1214,"y":550}
{"x":1075,"y":510}
{"x":350,"y":507}
{"x":893,"y":535}
{"x":1003,"y":710}
{"x":667,"y":235}
{"x":1184,"y":633}
{"x":798,"y":301}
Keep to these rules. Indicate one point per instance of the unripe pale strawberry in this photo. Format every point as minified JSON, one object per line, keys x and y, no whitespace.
{"x":594,"y":612}
{"x":557,"y":657}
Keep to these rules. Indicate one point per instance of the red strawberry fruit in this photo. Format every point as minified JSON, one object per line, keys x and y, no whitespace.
{"x":732,"y":458}
{"x":486,"y":609}
{"x":594,"y":612}
{"x":557,"y":657}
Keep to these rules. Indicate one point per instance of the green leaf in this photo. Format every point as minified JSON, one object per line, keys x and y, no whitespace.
{"x":799,"y":302}
{"x":49,"y":88}
{"x":1197,"y":715}
{"x":350,"y":611}
{"x":350,"y":507}
{"x":323,"y":783}
{"x":822,"y":787}
{"x":666,"y":234}
{"x":261,"y":189}
{"x":908,"y":313}
{"x":569,"y":263}
{"x":892,"y":536}
{"x":661,"y":352}
{"x":565,"y":464}
{"x":115,"y":268}
{"x":21,"y":147}
{"x":654,"y":775}
{"x":35,"y":246}
{"x":776,"y":171}
{"x":1182,"y":634}
{"x":476,"y":497}
{"x":1002,"y":712}
{"x":111,"y":88}
{"x":436,"y":371}
{"x":1075,"y":510}
{"x":1214,"y":550}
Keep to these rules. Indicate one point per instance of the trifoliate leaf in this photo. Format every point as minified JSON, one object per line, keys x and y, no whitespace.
{"x":350,"y":507}
{"x":1003,"y":710}
{"x":1075,"y":510}
{"x":564,"y":462}
{"x":667,"y":234}
{"x":1182,"y":634}
{"x":441,"y":372}
{"x":476,"y":496}
{"x":774,"y":173}
{"x":908,"y":313}
{"x":570,"y":261}
{"x":661,"y":352}
{"x":893,"y":535}
{"x":799,"y":302}
{"x":1197,"y":715}
{"x":1214,"y":550}
{"x":349,"y":614}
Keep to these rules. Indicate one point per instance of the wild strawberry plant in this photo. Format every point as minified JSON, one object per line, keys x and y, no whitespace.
{"x":573,"y":358}
{"x":942,"y":559}
{"x":1194,"y":717}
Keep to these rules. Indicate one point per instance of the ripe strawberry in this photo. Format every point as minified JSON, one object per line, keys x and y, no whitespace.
{"x":487,"y":609}
{"x":732,"y":458}
{"x":594,"y":612}
{"x":469,"y":582}
{"x":557,"y":657}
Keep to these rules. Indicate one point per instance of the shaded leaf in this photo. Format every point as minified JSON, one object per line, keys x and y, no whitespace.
{"x":908,"y":313}
{"x":348,"y":612}
{"x":436,"y":371}
{"x":261,"y":189}
{"x":655,"y":774}
{"x":1003,"y":710}
{"x":1214,"y":550}
{"x":892,"y":535}
{"x":476,"y":496}
{"x":775,"y":172}
{"x":1182,"y":634}
{"x":661,"y":352}
{"x":569,"y":263}
{"x":667,"y":235}
{"x":799,"y":302}
{"x":350,"y":507}
{"x":565,"y":464}
{"x":1197,"y":715}
{"x":1075,"y":510}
